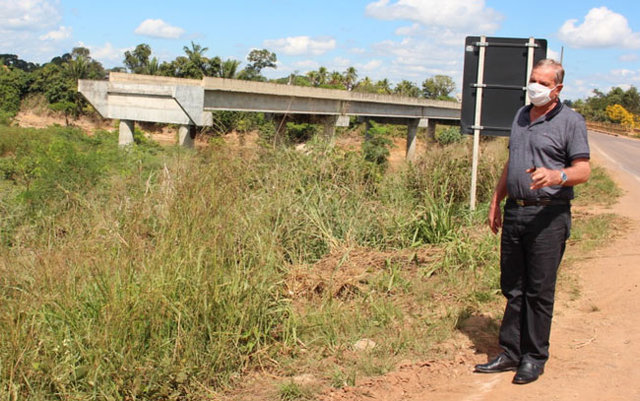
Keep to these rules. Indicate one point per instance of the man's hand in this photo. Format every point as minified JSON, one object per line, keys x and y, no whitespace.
{"x":495,"y":217}
{"x":543,"y":177}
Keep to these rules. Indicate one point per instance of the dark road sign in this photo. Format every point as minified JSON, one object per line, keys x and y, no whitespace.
{"x":507,"y":64}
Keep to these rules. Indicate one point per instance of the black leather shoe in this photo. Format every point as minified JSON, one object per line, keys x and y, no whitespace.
{"x":501,"y":363}
{"x":528,"y":372}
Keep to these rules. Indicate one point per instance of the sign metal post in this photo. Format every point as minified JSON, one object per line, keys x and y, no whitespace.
{"x":477,"y":121}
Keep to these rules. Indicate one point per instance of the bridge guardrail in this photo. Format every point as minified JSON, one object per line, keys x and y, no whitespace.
{"x":611,"y":128}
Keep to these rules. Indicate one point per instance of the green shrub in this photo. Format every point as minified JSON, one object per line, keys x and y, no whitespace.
{"x":13,"y":83}
{"x":228,"y":121}
{"x":448,"y":135}
{"x":6,"y":117}
{"x":267,"y":132}
{"x":376,"y":146}
{"x":225,"y":121}
{"x":299,"y":133}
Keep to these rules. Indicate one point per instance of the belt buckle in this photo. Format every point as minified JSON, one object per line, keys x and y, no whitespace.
{"x":520,"y":202}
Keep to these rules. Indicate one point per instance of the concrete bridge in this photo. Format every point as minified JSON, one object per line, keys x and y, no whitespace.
{"x":188,"y":103}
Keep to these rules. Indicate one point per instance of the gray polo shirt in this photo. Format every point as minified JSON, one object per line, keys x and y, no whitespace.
{"x":552,"y":141}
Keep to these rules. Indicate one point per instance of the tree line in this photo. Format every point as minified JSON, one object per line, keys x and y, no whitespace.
{"x":616,"y":106}
{"x":57,"y":80}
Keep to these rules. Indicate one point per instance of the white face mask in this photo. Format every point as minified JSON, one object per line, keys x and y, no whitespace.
{"x":539,"y":94}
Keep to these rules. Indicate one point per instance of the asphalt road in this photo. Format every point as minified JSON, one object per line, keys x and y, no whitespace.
{"x":621,"y":151}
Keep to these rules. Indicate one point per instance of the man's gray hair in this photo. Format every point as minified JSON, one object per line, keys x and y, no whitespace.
{"x":547,"y":62}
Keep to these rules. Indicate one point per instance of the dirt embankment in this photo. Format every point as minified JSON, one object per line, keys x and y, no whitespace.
{"x":31,"y":119}
{"x":162,"y":134}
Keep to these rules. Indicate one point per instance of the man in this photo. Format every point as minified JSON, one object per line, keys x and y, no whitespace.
{"x":548,"y":155}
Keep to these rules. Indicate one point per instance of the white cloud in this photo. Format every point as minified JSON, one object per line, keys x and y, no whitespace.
{"x":371,"y":65}
{"x":623,"y":74}
{"x":62,"y":33}
{"x":601,"y":28}
{"x":307,"y":64}
{"x":30,"y":15}
{"x":24,"y":22}
{"x":410,"y":51}
{"x":157,"y":28}
{"x":302,"y":45}
{"x":416,"y":59}
{"x":412,"y":30}
{"x":458,"y":15}
{"x":622,"y":78}
{"x":107,"y":53}
{"x":578,"y":90}
{"x":433,"y":42}
{"x":629,"y":57}
{"x":341,"y":62}
{"x":583,"y":88}
{"x":552,"y":54}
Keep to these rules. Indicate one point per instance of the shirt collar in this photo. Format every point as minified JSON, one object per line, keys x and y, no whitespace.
{"x":552,"y":113}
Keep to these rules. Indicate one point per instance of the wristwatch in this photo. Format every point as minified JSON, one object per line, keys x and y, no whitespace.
{"x":563,"y":177}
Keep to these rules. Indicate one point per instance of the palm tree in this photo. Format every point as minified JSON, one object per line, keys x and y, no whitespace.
{"x":350,"y":78}
{"x":229,"y":68}
{"x":384,"y":87}
{"x":153,"y":68}
{"x":323,"y":75}
{"x":77,"y":68}
{"x":336,"y":79}
{"x":407,"y":88}
{"x":197,"y":61}
{"x":365,"y":85}
{"x":313,"y":78}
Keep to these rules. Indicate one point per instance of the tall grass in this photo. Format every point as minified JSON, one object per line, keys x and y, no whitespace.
{"x":160,"y":273}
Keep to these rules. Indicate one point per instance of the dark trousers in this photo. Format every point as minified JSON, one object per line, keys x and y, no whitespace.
{"x":532,"y":245}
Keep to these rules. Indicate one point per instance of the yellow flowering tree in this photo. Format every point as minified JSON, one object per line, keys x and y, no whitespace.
{"x":619,"y":114}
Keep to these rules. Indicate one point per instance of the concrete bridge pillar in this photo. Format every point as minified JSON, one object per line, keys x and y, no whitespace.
{"x":125,"y":137}
{"x":329,"y":127}
{"x":331,"y":122}
{"x":187,"y":135}
{"x":431,"y":131}
{"x":412,"y":130}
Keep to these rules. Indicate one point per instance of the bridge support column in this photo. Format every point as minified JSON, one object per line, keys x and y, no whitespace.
{"x":187,"y":135}
{"x":430,"y":125}
{"x":125,"y":137}
{"x":329,"y":127}
{"x":412,"y":130}
{"x":331,"y":122}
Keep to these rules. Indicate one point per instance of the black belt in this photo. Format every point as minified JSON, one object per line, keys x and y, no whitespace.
{"x":539,"y":202}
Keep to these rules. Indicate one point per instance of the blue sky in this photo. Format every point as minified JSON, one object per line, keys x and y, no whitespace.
{"x":394,"y":39}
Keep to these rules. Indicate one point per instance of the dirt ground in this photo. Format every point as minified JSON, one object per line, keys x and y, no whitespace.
{"x":595,"y":339}
{"x":29,"y":119}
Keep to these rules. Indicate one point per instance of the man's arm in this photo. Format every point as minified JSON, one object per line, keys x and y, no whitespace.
{"x":495,"y":216}
{"x":577,"y":173}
